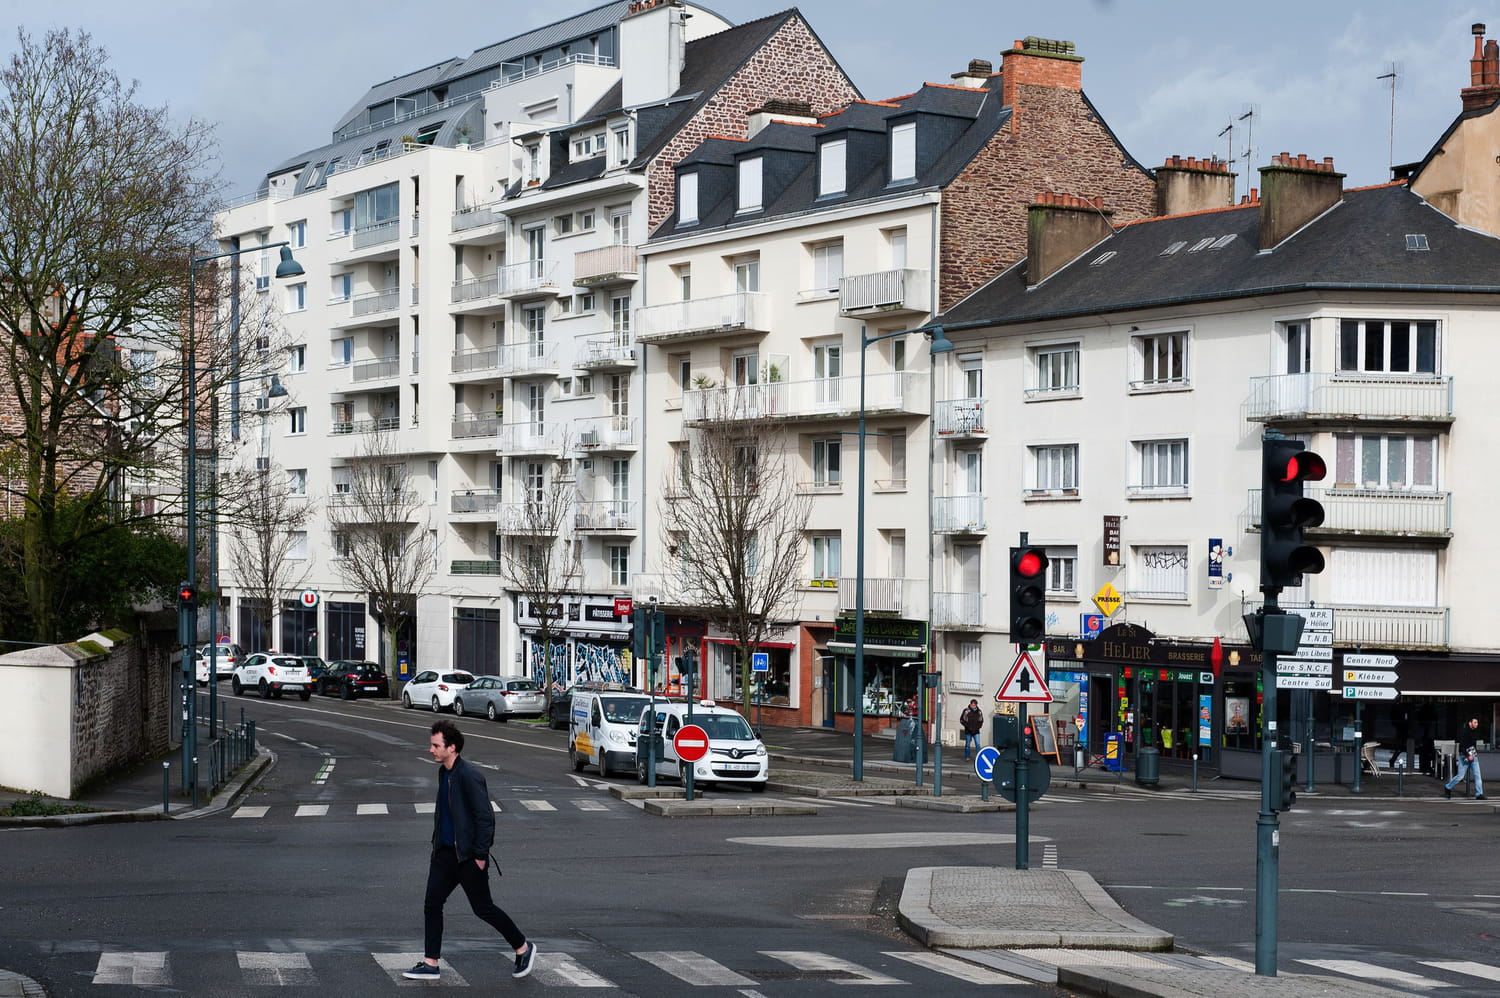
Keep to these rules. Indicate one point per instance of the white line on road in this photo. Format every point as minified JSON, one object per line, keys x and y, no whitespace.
{"x":276,"y":968}
{"x":137,"y":969}
{"x":311,"y":810}
{"x":537,"y":805}
{"x":953,"y":967}
{"x":878,"y":840}
{"x":567,"y":972}
{"x":395,"y":963}
{"x":1370,"y":972}
{"x":1469,"y":967}
{"x":693,"y":968}
{"x":372,"y":809}
{"x":804,"y":960}
{"x":253,"y":811}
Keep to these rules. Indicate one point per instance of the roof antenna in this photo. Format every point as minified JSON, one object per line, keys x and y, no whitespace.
{"x":1251,"y":110}
{"x":1394,"y":75}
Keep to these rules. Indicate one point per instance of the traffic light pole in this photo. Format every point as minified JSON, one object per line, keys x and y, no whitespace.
{"x":1267,"y":822}
{"x":1023,"y":807}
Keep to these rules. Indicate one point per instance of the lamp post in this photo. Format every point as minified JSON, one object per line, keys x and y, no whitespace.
{"x":187,"y":603}
{"x":939,"y":344}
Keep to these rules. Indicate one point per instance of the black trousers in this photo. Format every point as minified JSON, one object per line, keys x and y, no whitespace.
{"x":446,"y":873}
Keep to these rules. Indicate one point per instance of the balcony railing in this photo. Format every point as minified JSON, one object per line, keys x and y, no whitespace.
{"x":476,"y":424}
{"x":475,"y":288}
{"x":604,"y":433}
{"x":370,"y":370}
{"x":958,"y":611}
{"x":959,"y":418}
{"x":518,"y":71}
{"x":474,"y":501}
{"x":478,"y":359}
{"x":1351,"y":396}
{"x":375,"y":301}
{"x":886,"y":290}
{"x":527,"y":277}
{"x":1374,"y":626}
{"x":528,"y":357}
{"x":607,"y":515}
{"x":345,"y":427}
{"x":520,"y":438}
{"x":726,"y":313}
{"x":958,"y":514}
{"x":1393,"y":512}
{"x":883,"y":595}
{"x":614,"y":350}
{"x":486,"y":566}
{"x":376,"y":233}
{"x":538,"y":519}
{"x":607,"y":263}
{"x":892,"y":391}
{"x":416,"y":294}
{"x":473,"y":218}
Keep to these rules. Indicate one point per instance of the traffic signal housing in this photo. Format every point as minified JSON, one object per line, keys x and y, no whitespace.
{"x":1286,"y":772}
{"x":1285,"y":512}
{"x":1028,"y":595}
{"x":187,"y":596}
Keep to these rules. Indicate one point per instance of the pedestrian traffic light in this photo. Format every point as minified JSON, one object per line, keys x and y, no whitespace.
{"x":1286,"y":769}
{"x":187,"y":595}
{"x":640,"y":631}
{"x":1028,"y":595}
{"x":1285,"y":512}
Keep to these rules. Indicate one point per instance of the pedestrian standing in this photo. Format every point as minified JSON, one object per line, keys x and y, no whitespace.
{"x":1468,"y":758}
{"x":972,"y":721}
{"x":463,"y":832}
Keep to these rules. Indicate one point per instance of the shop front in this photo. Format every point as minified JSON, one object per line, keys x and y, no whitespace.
{"x":895,"y":656}
{"x":587,"y":642}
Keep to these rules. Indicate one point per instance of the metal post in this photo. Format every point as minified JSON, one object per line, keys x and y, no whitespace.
{"x":1309,"y":744}
{"x":213,"y":578}
{"x":1267,"y":828}
{"x":1359,"y":749}
{"x":166,"y":783}
{"x":921,"y":709}
{"x":1023,"y":811}
{"x":1195,"y":774}
{"x":937,"y":739}
{"x":187,"y":609}
{"x":859,"y":576}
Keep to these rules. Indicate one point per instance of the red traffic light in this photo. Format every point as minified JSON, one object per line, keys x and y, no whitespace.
{"x":186,"y":593}
{"x":1302,"y":466}
{"x":1030,"y":564}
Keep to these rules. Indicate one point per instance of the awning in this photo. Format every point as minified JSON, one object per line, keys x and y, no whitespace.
{"x":889,"y":651}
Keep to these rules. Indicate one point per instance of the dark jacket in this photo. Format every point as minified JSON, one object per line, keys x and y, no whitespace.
{"x":972,"y":720}
{"x":1467,"y":736}
{"x":473,"y":818}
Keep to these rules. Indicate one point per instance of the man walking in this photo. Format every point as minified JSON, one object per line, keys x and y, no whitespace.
{"x":463,"y":831}
{"x":1468,"y":758}
{"x":972,"y":721}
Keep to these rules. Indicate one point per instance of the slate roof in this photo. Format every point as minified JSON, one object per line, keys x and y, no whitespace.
{"x":1359,"y":244}
{"x":545,"y":37}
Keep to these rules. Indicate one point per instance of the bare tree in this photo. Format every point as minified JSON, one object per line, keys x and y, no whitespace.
{"x":735,"y":523}
{"x":539,"y":557}
{"x":380,"y":528}
{"x":264,"y":520}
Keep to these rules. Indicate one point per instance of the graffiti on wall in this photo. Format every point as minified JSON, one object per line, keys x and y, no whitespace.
{"x":601,"y":663}
{"x":557,"y":675}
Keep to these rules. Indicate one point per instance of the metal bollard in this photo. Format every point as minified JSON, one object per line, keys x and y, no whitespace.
{"x":249,"y":738}
{"x":1195,"y":774}
{"x":984,"y":790}
{"x":166,"y":787}
{"x":1401,"y":778}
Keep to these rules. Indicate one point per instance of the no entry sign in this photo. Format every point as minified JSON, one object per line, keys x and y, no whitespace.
{"x":691,"y":743}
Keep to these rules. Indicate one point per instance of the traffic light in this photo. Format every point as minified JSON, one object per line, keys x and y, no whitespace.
{"x":640,"y":630}
{"x":187,"y":596}
{"x":1285,"y":512}
{"x":1028,"y":595}
{"x":1286,"y":770}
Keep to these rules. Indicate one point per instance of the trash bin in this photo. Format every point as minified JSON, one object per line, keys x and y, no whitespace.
{"x":1148,"y":766}
{"x":906,"y":741}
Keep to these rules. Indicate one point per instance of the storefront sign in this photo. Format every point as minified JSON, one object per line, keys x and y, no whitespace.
{"x":1111,"y":542}
{"x":1108,"y":599}
{"x":1216,"y":563}
{"x":1205,"y":719}
{"x":884,"y":631}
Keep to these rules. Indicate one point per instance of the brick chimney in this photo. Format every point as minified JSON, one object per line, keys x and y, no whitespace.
{"x":1037,"y":62}
{"x":1293,"y":191}
{"x":975,"y":76}
{"x":797,"y":112}
{"x":1191,"y":184}
{"x":1484,"y":73}
{"x":1058,"y":228}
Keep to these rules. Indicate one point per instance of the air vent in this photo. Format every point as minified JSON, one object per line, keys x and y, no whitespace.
{"x":1179,"y":244}
{"x":1223,"y":241}
{"x":1201,"y":244}
{"x":1104,"y":257}
{"x":1416,"y":242}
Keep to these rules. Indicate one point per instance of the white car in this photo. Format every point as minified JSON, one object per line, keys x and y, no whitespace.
{"x":224,"y":666}
{"x":735,"y":752}
{"x":434,"y":689}
{"x":272,"y":675}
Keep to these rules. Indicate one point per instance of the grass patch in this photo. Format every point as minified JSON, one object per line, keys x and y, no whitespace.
{"x":35,"y":805}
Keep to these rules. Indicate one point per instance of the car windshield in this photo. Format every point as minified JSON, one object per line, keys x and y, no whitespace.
{"x":522,"y":686}
{"x":619,"y":710}
{"x":730,"y":727}
{"x":287,"y":662}
{"x":457,"y":677}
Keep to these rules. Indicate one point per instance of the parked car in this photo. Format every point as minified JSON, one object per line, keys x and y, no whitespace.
{"x":735,"y":752}
{"x":315,"y":667}
{"x":272,"y":675}
{"x":228,"y":656}
{"x":434,"y":689}
{"x":354,"y":679}
{"x":501,"y":697}
{"x":562,"y":703}
{"x":602,"y":729}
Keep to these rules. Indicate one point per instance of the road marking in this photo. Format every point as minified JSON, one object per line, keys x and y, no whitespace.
{"x":276,"y":968}
{"x":805,"y":960}
{"x":562,"y":970}
{"x":250,"y":811}
{"x":1481,"y":970}
{"x":1049,"y":856}
{"x":139,"y":969}
{"x":311,"y":810}
{"x":589,"y":804}
{"x":427,"y":808}
{"x":693,"y":968}
{"x":1370,"y":972}
{"x":536,"y":805}
{"x":324,"y":771}
{"x":829,"y":802}
{"x":396,"y":963}
{"x":878,"y":840}
{"x":372,"y":809}
{"x":953,"y":967}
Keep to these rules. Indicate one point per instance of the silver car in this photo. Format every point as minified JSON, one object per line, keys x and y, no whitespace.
{"x":500,"y":698}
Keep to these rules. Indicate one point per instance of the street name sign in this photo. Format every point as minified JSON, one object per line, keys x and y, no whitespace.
{"x":1370,"y":692}
{"x":1306,"y":653}
{"x":1319,"y":618}
{"x":1303,"y":682}
{"x":1295,"y":668}
{"x":1353,"y":660}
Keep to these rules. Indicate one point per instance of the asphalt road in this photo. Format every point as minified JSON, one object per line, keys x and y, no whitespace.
{"x":314,"y":881}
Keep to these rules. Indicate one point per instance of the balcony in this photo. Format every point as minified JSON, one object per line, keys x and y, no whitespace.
{"x":373,"y":303}
{"x":476,"y":425}
{"x":485,"y":566}
{"x":601,"y":353}
{"x":531,"y":438}
{"x":1368,"y":626}
{"x":476,"y":289}
{"x":374,"y":370}
{"x":1375,"y":512}
{"x":605,"y":434}
{"x":527,"y":359}
{"x":609,"y":517}
{"x":462,"y":501}
{"x":476,"y":361}
{"x":959,"y":419}
{"x":737,"y":313}
{"x":958,"y":611}
{"x":342,"y":428}
{"x":886,"y":292}
{"x":528,"y":279}
{"x":884,"y":595}
{"x":893,"y":391}
{"x":606,"y":265}
{"x":397,"y":506}
{"x":376,"y":233}
{"x":958,"y":515}
{"x":479,"y":215}
{"x":534,"y":519}
{"x":1347,"y":397}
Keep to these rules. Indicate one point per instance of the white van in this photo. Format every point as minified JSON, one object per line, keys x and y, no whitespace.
{"x":601,"y":728}
{"x":735,"y":752}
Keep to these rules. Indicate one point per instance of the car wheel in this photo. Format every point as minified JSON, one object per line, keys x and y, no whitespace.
{"x":239,"y":690}
{"x":406,"y":701}
{"x":306,"y":695}
{"x":458,"y":706}
{"x":346,"y":692}
{"x":603,"y":763}
{"x":265,"y":691}
{"x":757,"y":788}
{"x":640,"y":770}
{"x":436,"y":707}
{"x":578,"y":761}
{"x":552,"y":723}
{"x":489,"y":712}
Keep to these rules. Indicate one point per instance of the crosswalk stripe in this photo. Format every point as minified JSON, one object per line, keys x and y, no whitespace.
{"x":427,"y":808}
{"x":953,"y":967}
{"x":133,"y":968}
{"x":495,"y":806}
{"x":589,"y":804}
{"x":693,"y":968}
{"x":1371,"y":972}
{"x":250,"y":811}
{"x":276,"y":968}
{"x":562,"y":970}
{"x":830,"y":801}
{"x":311,"y":810}
{"x":395,"y":963}
{"x":537,"y":805}
{"x":372,"y":809}
{"x":1469,"y":967}
{"x":804,"y":960}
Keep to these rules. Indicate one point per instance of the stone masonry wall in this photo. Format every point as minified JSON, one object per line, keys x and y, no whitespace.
{"x":792,"y":64}
{"x":122,"y":705}
{"x":1057,"y":143}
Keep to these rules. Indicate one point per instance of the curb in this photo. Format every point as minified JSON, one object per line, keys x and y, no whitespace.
{"x":13,"y":985}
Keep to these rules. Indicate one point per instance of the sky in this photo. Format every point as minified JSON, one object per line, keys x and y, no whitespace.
{"x":1168,"y":76}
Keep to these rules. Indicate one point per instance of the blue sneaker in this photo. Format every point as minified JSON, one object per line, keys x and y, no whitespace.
{"x":423,"y":971}
{"x":524,"y":960}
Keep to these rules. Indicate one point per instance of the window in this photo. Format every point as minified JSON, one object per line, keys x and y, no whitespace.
{"x":1055,"y":368}
{"x":831,"y":172}
{"x":749,"y":188}
{"x":684,"y":274}
{"x":1391,"y":461}
{"x":746,"y":274}
{"x":619,"y":226}
{"x":1055,"y":468}
{"x":296,"y":234}
{"x":619,"y":565}
{"x":586,"y":302}
{"x":380,"y":204}
{"x":533,"y":481}
{"x":1163,"y":466}
{"x":1387,"y":346}
{"x":1062,"y":572}
{"x":687,"y":198}
{"x":586,"y":221}
{"x":296,"y":361}
{"x":622,"y":146}
{"x":619,"y":314}
{"x":1159,"y":572}
{"x":895,"y":456}
{"x":343,"y":481}
{"x":1297,"y":341}
{"x":339,"y":222}
{"x":341,"y":546}
{"x":828,"y":266}
{"x":343,"y":351}
{"x":296,"y":480}
{"x":588,"y":146}
{"x":562,"y":225}
{"x":828,"y":372}
{"x":683,"y":364}
{"x":534,"y":318}
{"x":1160,"y":360}
{"x":296,"y":297}
{"x":531,"y":157}
{"x":143,"y":362}
{"x":896,"y":241}
{"x":826,"y":558}
{"x":298,"y":415}
{"x":297,"y":549}
{"x":970,"y":664}
{"x":340,"y":288}
{"x":904,"y":153}
{"x":619,"y":395}
{"x":827,"y":463}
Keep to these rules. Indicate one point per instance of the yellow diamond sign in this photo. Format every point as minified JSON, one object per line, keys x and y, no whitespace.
{"x":1108,"y":599}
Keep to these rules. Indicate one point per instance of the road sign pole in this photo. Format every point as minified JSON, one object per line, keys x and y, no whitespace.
{"x":1023,"y":815}
{"x":1267,"y":830}
{"x":1359,"y":748}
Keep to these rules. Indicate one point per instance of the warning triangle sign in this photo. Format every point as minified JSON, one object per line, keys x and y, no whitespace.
{"x":1025,"y":682}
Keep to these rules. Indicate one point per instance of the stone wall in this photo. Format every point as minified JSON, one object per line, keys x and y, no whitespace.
{"x":122,"y":704}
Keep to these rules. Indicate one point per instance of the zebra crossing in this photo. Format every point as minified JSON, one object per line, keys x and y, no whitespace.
{"x":375,"y":809}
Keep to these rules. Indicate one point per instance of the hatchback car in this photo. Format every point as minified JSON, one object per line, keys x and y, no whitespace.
{"x":272,"y":675}
{"x":434,"y":689}
{"x":354,"y":679}
{"x":500,"y":698}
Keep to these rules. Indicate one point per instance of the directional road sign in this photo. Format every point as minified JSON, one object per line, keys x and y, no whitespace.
{"x":1370,"y":692}
{"x":1369,"y":676}
{"x":1298,"y":668}
{"x":691,"y":743}
{"x":1304,"y":682}
{"x":984,"y":762}
{"x":1309,"y":653}
{"x":1025,"y":682}
{"x":1319,"y":618}
{"x":1353,"y":660}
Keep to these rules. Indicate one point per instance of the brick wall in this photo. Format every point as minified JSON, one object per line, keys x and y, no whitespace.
{"x":792,"y":64}
{"x":1057,"y":144}
{"x":122,"y":704}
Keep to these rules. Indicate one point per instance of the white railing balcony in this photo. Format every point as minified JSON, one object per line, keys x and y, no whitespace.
{"x":375,"y":301}
{"x":476,"y":288}
{"x":469,"y":425}
{"x":1350,"y":395}
{"x":531,"y":438}
{"x":958,"y":514}
{"x":882,"y":595}
{"x":478,"y":359}
{"x":1373,"y":626}
{"x":371,"y":370}
{"x":1376,"y":511}
{"x":745,"y":311}
{"x":607,"y":516}
{"x":606,"y":264}
{"x":378,"y":425}
{"x":891,"y":391}
{"x":540,"y":519}
{"x":474,"y":500}
{"x":959,"y":419}
{"x":376,"y":233}
{"x":515,"y":71}
{"x":886,"y":291}
{"x":528,"y":358}
{"x":529,"y":277}
{"x":605,"y":433}
{"x":615,"y":350}
{"x":473,"y":218}
{"x":958,"y":611}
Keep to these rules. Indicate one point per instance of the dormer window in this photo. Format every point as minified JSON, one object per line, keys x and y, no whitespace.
{"x":533,"y":157}
{"x":622,"y":145}
{"x":687,"y":198}
{"x":750,"y":189}
{"x":904,"y":153}
{"x":831,"y":172}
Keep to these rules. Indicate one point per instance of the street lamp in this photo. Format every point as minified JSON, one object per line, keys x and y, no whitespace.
{"x":939,"y":344}
{"x":187,"y":607}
